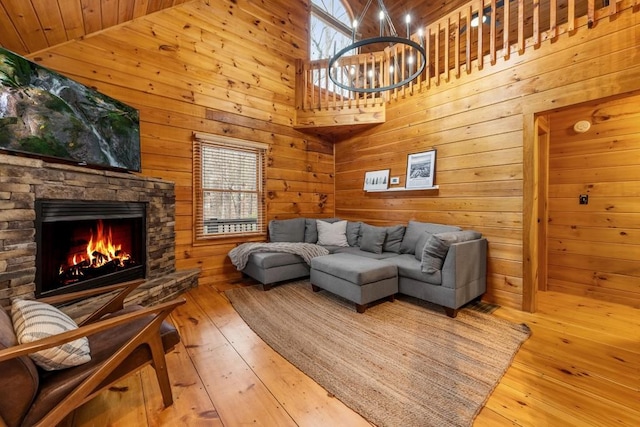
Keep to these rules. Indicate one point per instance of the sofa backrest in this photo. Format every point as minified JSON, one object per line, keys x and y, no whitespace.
{"x":418,"y":233}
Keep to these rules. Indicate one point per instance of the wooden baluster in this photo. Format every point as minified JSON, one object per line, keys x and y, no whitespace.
{"x":404,"y":69}
{"x":312,"y":87}
{"x":335,"y":92}
{"x":468,"y":32}
{"x":536,"y":22}
{"x":457,"y":46}
{"x":480,"y":35}
{"x":591,"y":11}
{"x":553,"y":18}
{"x":506,"y":44}
{"x":427,"y":49}
{"x":419,"y":78}
{"x":571,"y":20}
{"x":613,"y":7}
{"x":446,"y":49}
{"x":521,"y":25}
{"x":437,"y":54}
{"x":326,"y":85}
{"x":352,"y":94}
{"x":492,"y":33}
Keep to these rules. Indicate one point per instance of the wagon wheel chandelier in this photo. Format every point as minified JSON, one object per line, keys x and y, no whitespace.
{"x":405,"y":53}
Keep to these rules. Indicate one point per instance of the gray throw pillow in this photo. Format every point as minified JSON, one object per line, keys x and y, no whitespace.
{"x":436,"y":248}
{"x":353,"y":232}
{"x":414,"y":230}
{"x":372,"y":238}
{"x":422,"y":240}
{"x":393,"y":239}
{"x":287,"y":230}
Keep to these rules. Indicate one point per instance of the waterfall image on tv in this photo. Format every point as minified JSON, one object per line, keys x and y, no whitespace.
{"x":45,"y":114}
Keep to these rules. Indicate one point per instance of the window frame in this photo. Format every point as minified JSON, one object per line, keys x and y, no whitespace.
{"x":201,"y":140}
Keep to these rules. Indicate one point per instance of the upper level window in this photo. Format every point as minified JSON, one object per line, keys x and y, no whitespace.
{"x":330,"y":28}
{"x":229,"y":180}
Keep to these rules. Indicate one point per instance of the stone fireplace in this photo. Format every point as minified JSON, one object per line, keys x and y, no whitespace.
{"x":54,"y":210}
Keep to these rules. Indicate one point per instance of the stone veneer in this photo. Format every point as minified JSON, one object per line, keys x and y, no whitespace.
{"x":25,"y":180}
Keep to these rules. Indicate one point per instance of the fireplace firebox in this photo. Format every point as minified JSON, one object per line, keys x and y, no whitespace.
{"x":83,"y":245}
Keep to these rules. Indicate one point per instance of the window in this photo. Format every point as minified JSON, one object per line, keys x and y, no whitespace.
{"x":229,"y":179}
{"x":330,"y":28}
{"x":330,"y":32}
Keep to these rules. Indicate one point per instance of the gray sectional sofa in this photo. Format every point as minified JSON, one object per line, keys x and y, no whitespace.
{"x":438,"y":263}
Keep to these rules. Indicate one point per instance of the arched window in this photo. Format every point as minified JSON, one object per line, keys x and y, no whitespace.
{"x":330,"y":28}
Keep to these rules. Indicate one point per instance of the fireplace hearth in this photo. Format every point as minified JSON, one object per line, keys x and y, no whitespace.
{"x":83,"y":244}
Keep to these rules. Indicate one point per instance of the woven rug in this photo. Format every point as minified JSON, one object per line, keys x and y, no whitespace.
{"x":398,"y":364}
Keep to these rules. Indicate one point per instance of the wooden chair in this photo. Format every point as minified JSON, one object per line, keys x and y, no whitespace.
{"x":122,"y":340}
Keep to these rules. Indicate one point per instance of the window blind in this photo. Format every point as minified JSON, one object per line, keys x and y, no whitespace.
{"x":229,"y":181}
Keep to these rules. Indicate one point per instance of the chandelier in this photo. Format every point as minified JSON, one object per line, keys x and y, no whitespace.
{"x":396,"y":66}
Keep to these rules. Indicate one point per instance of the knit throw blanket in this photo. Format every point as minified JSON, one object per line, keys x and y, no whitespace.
{"x":240,"y":254}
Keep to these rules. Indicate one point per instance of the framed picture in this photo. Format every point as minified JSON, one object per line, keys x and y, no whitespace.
{"x":376,"y":180}
{"x":420,"y":169}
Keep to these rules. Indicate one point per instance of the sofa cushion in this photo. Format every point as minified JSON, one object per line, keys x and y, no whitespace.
{"x":410,"y":267}
{"x":274,"y":259}
{"x":393,"y":239}
{"x":353,"y":233}
{"x":359,"y":271}
{"x":332,"y":234}
{"x":415,"y":230}
{"x":354,"y":250}
{"x":34,"y":320}
{"x":372,"y":238}
{"x":287,"y":230}
{"x":436,"y":248}
{"x":311,"y":229}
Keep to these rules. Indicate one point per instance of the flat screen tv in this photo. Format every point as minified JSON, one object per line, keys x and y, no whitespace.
{"x":45,"y":114}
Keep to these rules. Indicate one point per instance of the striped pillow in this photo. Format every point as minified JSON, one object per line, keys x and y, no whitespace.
{"x":33,"y":320}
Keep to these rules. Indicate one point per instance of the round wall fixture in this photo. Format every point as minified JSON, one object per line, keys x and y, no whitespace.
{"x":582,"y":126}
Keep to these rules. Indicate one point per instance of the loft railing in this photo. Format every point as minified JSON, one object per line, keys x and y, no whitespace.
{"x":453,"y":45}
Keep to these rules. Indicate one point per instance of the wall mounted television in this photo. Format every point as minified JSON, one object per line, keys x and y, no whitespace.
{"x":47,"y":115}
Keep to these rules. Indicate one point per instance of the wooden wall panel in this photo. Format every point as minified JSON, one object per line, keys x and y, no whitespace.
{"x":223,"y":67}
{"x":480,"y":126}
{"x":594,"y":249}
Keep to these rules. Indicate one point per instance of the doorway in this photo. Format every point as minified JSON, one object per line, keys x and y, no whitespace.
{"x":585,"y":215}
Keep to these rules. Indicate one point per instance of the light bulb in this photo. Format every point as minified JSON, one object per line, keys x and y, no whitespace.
{"x":355,"y":24}
{"x":391,"y":69}
{"x":410,"y":60}
{"x":381,"y":15}
{"x":407,"y":19}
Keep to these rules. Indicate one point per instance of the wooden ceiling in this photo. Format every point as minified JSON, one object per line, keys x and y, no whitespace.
{"x":28,"y":26}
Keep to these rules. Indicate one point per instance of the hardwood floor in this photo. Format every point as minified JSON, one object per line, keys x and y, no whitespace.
{"x":581,"y":366}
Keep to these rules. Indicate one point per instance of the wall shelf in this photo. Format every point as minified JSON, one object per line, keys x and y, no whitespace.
{"x":435,"y":187}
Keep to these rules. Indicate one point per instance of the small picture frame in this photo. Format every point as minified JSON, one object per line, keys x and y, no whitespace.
{"x":421,"y":168}
{"x":376,"y":180}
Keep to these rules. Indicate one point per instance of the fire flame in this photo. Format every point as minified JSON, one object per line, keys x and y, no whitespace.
{"x":101,"y":249}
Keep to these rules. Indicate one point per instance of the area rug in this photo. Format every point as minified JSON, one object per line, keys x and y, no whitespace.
{"x":402,"y":363}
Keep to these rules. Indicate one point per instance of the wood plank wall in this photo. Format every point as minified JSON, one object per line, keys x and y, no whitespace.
{"x":594,"y":249}
{"x":224,"y":67}
{"x":482,"y":128}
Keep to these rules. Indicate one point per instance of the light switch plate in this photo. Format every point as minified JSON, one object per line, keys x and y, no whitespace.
{"x":395,"y":180}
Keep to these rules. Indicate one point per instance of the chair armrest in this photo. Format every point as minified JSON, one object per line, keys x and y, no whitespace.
{"x":465,"y":263}
{"x":158,"y":311}
{"x":112,"y":305}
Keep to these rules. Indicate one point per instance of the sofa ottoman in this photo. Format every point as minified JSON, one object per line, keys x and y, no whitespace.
{"x":355,"y":278}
